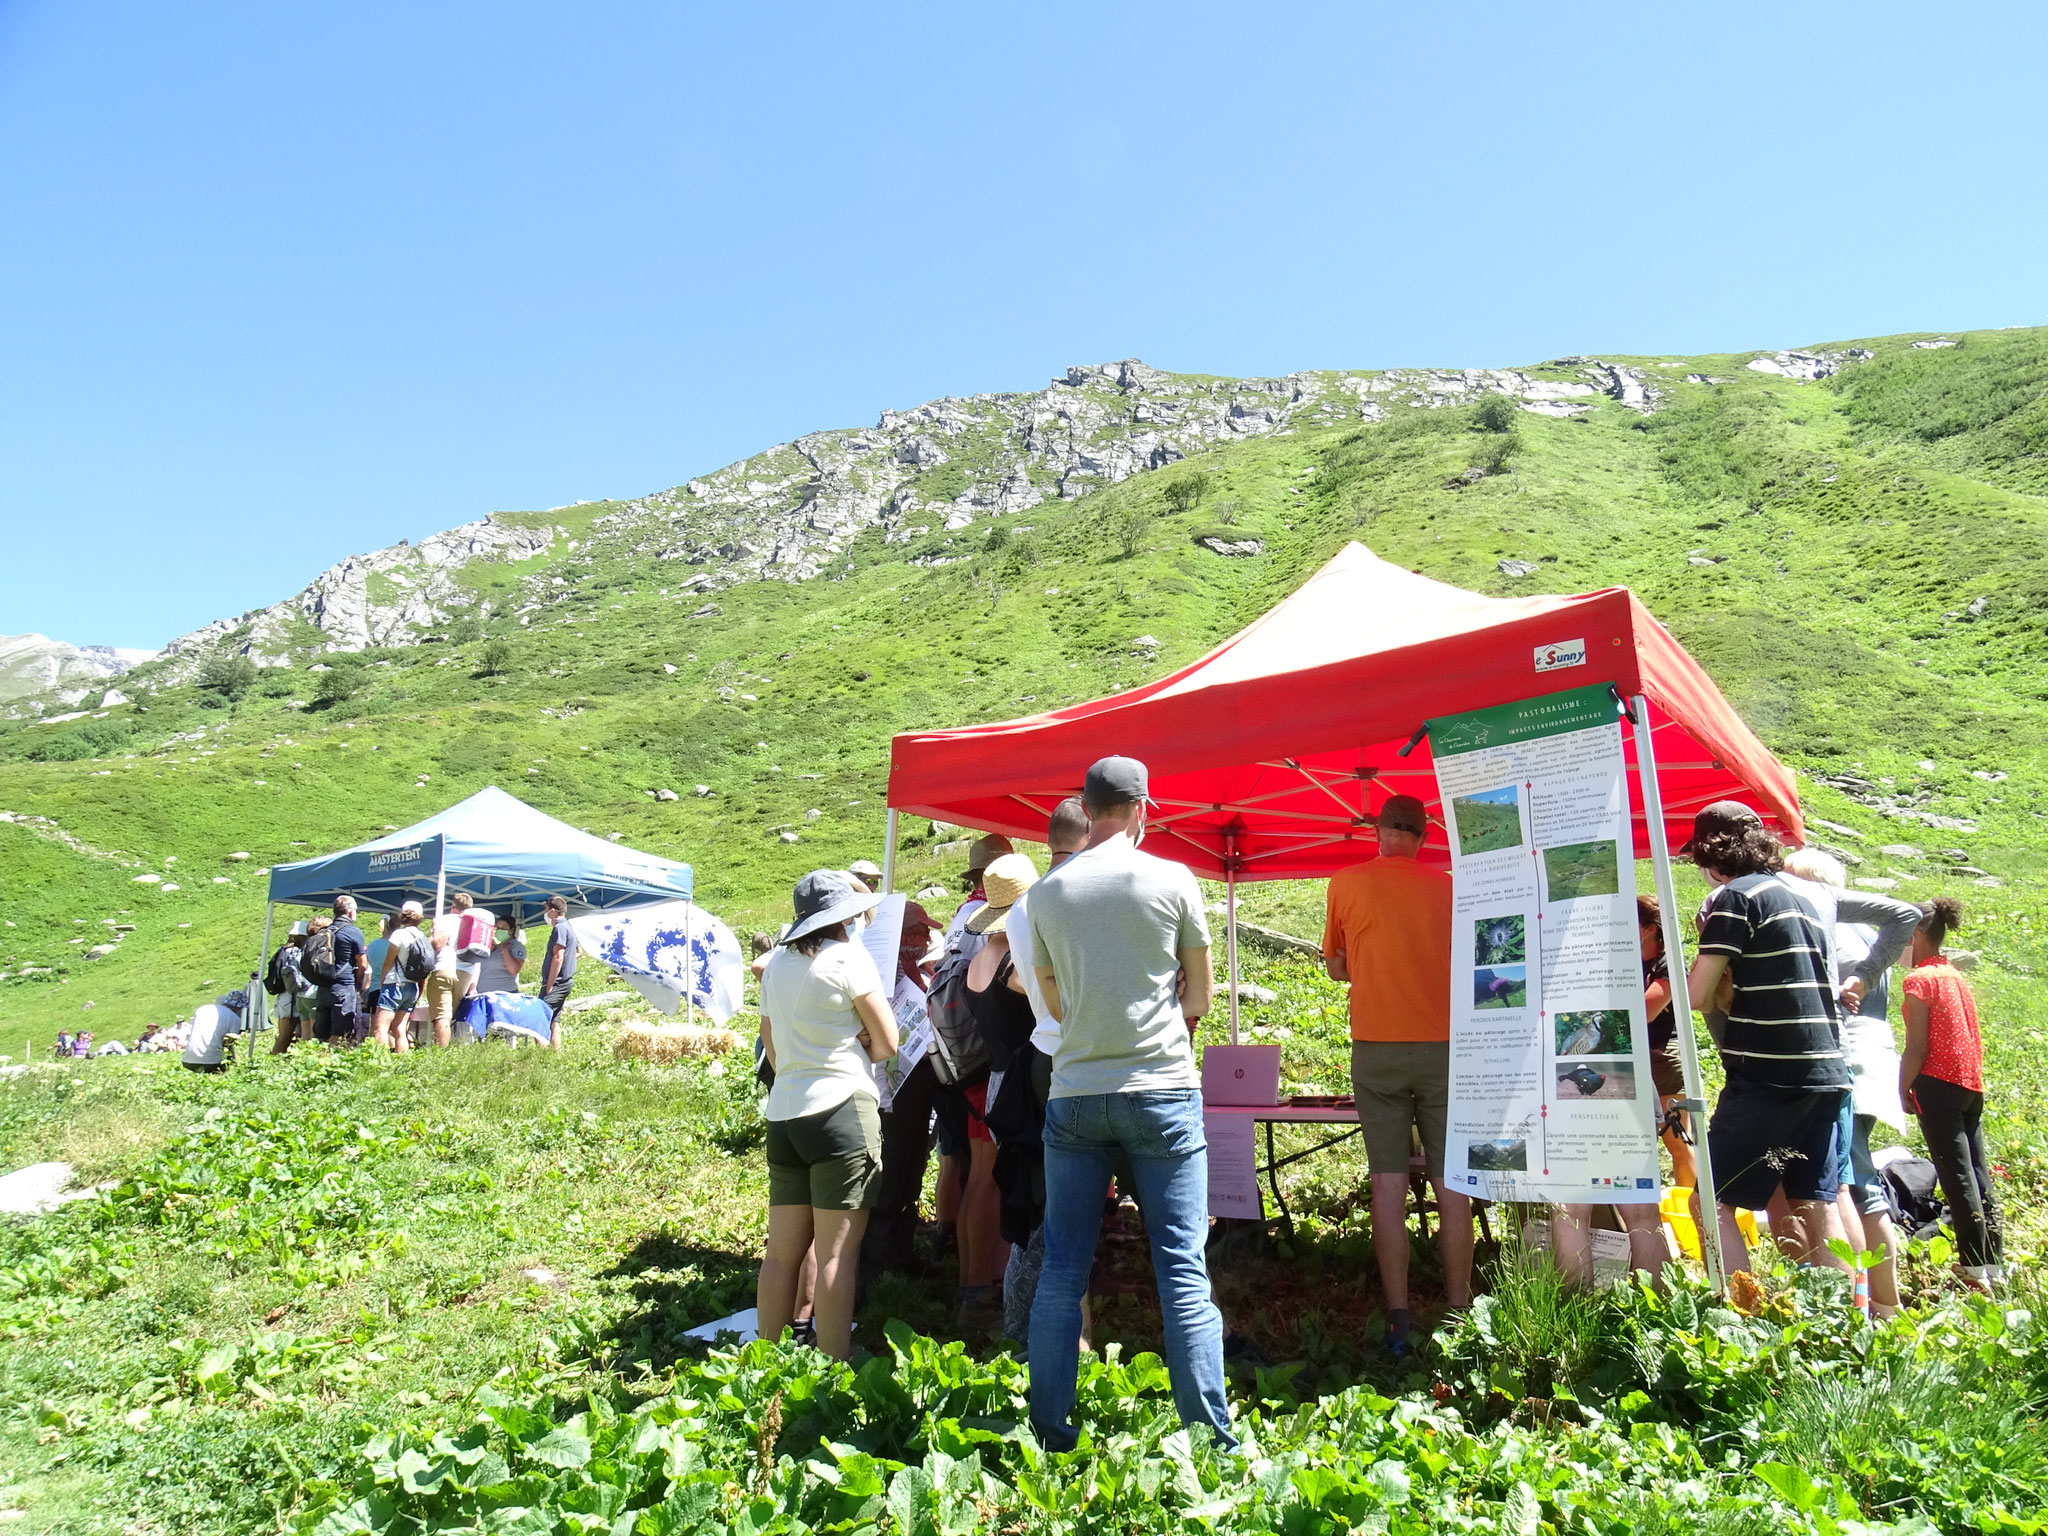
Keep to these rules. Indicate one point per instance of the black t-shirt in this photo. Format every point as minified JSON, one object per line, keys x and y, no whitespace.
{"x":348,"y":948}
{"x":1664,"y":1027}
{"x":1782,"y":1027}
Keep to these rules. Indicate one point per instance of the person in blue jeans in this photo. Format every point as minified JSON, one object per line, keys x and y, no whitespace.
{"x":1120,"y":948}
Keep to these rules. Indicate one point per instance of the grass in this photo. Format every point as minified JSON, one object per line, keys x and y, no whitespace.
{"x":1486,"y":826}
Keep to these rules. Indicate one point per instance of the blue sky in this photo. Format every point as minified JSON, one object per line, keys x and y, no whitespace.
{"x":280,"y":283}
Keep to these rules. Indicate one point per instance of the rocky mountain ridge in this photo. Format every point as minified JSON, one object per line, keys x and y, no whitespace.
{"x":789,"y":513}
{"x":36,"y":664}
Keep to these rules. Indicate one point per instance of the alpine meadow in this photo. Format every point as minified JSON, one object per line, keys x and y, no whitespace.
{"x":344,"y":1292}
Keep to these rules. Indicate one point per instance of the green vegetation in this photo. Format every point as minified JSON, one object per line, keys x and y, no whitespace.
{"x":1873,"y":601}
{"x":1489,"y":823}
{"x":1581,"y":869}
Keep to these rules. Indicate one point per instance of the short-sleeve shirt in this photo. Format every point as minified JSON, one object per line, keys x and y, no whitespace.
{"x":1663,"y":1028}
{"x":496,"y":974}
{"x":1782,"y":1026}
{"x":1110,"y":924}
{"x":562,"y":941}
{"x":1955,"y":1051}
{"x":348,"y":947}
{"x":1047,"y":1035}
{"x":808,"y":1001}
{"x":1392,"y":919}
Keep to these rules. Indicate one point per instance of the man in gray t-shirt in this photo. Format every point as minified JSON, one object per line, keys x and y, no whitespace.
{"x":1121,"y":952}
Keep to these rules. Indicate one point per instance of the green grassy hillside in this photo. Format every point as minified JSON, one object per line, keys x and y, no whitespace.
{"x":1876,"y":608}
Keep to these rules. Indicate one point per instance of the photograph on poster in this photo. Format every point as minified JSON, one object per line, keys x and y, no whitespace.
{"x":1581,"y":869}
{"x":1495,"y":1156}
{"x":1500,"y":940}
{"x":1610,"y":1079}
{"x":1500,"y":986}
{"x":1594,"y":1032}
{"x":1488,"y":821}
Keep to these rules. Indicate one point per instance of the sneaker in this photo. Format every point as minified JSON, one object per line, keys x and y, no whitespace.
{"x":1399,"y":1344}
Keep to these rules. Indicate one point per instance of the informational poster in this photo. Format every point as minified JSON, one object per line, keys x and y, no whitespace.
{"x":913,"y":1039}
{"x":1551,"y":1097}
{"x":1233,"y":1166}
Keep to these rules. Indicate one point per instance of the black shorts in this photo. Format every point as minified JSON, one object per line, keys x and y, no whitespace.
{"x":1761,"y":1137}
{"x":557,"y":996}
{"x":335,"y":1018}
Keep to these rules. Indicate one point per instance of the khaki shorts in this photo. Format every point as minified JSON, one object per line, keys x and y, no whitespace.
{"x":831,"y":1161}
{"x":1402,"y":1085}
{"x":443,"y":991}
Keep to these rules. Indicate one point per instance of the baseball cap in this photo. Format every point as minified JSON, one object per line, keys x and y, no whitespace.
{"x":986,"y":851}
{"x":1721,"y":816}
{"x":412,"y":909}
{"x":865,"y":870}
{"x":1116,"y":781}
{"x":1404,"y":813}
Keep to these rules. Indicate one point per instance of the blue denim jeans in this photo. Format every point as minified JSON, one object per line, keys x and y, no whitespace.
{"x":1161,"y":1135}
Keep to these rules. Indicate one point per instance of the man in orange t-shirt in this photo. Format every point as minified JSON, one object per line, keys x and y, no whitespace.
{"x":1389,"y":935}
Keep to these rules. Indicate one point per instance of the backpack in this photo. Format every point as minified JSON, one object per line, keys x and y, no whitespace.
{"x":415,"y":958}
{"x":1913,"y":1188}
{"x":473,"y":932}
{"x":958,"y":1051}
{"x":277,"y":977}
{"x":316,"y":958}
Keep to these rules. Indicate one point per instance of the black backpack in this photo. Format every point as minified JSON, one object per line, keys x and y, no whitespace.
{"x":415,"y":958}
{"x":316,"y":958}
{"x":958,"y":1051}
{"x":277,"y":976}
{"x":1913,"y":1188}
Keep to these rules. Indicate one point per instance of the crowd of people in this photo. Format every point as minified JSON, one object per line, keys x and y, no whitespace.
{"x":415,"y":980}
{"x":1084,"y":985}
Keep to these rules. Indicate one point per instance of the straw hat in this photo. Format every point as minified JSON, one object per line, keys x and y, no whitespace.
{"x":1004,"y":881}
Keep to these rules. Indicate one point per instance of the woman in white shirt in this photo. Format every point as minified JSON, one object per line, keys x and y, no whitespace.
{"x":825,"y":1020}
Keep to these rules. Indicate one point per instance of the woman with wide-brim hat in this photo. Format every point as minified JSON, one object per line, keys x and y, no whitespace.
{"x":825,"y":1020}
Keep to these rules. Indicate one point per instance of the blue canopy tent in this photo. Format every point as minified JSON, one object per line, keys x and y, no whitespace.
{"x":497,"y":848}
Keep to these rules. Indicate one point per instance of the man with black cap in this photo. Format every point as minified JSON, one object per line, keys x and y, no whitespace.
{"x":1121,"y":951}
{"x":1388,"y":933}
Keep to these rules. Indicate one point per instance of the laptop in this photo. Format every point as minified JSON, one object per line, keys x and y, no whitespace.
{"x":1241,"y":1074}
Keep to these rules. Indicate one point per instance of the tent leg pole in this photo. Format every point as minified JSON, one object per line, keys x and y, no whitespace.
{"x":258,"y":1012}
{"x":1674,"y":950}
{"x":1230,"y":940}
{"x":889,"y":856}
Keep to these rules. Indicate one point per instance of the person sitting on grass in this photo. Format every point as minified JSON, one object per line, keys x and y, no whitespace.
{"x":1941,"y":1079}
{"x":1787,"y":1077}
{"x":825,"y":1020}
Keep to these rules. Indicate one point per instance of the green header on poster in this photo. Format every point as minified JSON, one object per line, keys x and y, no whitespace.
{"x":1550,"y":714}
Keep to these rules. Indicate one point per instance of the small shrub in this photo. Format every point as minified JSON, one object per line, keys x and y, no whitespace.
{"x":497,"y":658}
{"x":227,"y":677}
{"x":1496,"y":413}
{"x":1128,"y":528}
{"x":1185,"y":492}
{"x":341,"y":682}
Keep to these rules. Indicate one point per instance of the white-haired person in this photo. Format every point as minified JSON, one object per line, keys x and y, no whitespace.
{"x":825,"y":1021}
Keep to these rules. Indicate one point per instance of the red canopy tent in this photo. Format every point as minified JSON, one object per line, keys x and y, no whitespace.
{"x":1269,"y":755}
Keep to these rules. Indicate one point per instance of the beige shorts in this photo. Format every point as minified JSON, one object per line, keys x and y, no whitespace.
{"x":1402,"y":1086}
{"x":443,"y":990}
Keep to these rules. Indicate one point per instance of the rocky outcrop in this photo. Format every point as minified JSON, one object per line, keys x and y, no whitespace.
{"x":1809,"y":366}
{"x":792,"y":513}
{"x":387,"y":597}
{"x":36,"y":664}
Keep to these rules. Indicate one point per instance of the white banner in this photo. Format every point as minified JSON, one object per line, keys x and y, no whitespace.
{"x":1551,"y":1097}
